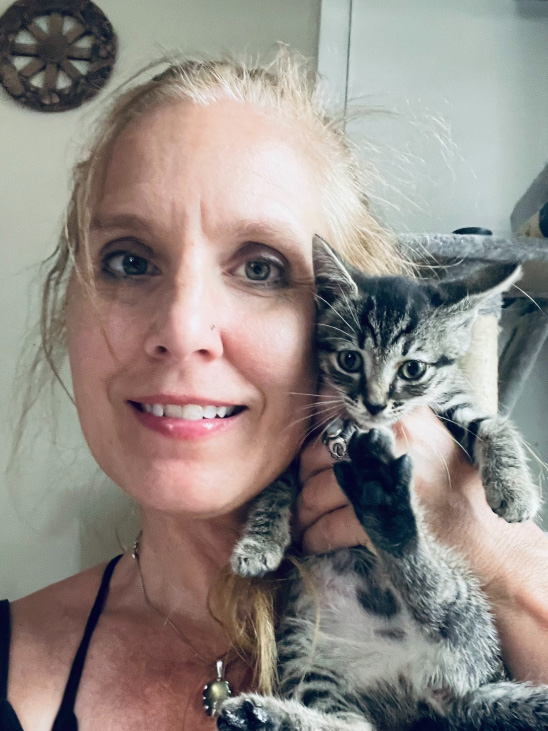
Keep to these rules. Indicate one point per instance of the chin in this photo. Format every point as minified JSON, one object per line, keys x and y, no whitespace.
{"x":196,"y":491}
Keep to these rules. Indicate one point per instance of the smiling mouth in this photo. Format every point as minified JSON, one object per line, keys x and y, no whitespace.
{"x":189,"y":412}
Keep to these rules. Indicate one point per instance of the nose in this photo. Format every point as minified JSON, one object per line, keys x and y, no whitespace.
{"x":186,"y":321}
{"x":374,"y":409}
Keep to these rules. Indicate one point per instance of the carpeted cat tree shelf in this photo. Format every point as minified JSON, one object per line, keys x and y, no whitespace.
{"x":525,"y":312}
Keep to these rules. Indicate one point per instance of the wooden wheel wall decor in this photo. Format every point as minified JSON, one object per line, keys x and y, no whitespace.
{"x":55,"y":54}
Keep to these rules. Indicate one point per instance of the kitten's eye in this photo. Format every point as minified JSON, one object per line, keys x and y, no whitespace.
{"x":412,"y":370}
{"x":349,"y":360}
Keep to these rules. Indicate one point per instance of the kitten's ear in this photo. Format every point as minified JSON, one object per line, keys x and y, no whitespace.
{"x":467,"y":294}
{"x":333,"y":276}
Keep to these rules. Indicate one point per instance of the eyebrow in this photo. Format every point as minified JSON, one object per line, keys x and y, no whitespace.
{"x":276,"y":230}
{"x":247,"y":229}
{"x":123,"y":220}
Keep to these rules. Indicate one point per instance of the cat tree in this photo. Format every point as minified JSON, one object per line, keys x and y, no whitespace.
{"x":525,"y":309}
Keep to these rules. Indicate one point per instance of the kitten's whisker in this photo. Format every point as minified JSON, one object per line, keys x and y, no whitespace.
{"x":335,"y":311}
{"x":293,"y":423}
{"x":464,"y":428}
{"x":538,"y":459}
{"x":331,"y":410}
{"x":335,"y":409}
{"x":439,"y":455}
{"x":311,"y":407}
{"x":339,"y":339}
{"x":406,"y":436}
{"x":442,"y":459}
{"x":320,"y":427}
{"x":316,"y":395}
{"x":530,"y":298}
{"x":332,"y":327}
{"x":327,"y":418}
{"x":351,"y":307}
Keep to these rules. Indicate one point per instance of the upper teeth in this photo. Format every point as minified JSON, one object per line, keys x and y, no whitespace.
{"x":192,"y":412}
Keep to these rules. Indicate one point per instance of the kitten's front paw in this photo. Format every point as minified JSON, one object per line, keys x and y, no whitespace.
{"x":251,"y":557}
{"x":514,"y":507}
{"x":378,"y":484}
{"x":249,"y":712}
{"x":509,"y":489}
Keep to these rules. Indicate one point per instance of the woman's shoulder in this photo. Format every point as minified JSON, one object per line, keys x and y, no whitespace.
{"x":56,"y":609}
{"x":46,"y":629}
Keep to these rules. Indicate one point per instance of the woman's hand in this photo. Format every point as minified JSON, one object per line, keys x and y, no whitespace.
{"x":448,"y":487}
{"x":510,"y":560}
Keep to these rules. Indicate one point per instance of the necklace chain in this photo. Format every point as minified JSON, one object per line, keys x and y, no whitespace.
{"x":216,"y":691}
{"x":165,"y":617}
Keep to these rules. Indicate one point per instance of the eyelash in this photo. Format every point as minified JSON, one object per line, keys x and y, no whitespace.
{"x":279,"y":280}
{"x":106,"y":265}
{"x":277,"y":274}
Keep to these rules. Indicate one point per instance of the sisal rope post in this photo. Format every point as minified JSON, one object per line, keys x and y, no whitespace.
{"x":480,"y":364}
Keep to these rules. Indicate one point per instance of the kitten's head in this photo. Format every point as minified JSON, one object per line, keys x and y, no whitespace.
{"x":388,"y":344}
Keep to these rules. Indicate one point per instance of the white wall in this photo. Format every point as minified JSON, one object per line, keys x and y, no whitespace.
{"x":467,"y":80}
{"x":476,"y":68}
{"x":58,"y":493}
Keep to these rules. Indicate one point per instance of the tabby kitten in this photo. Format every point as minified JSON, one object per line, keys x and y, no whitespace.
{"x":401,"y":638}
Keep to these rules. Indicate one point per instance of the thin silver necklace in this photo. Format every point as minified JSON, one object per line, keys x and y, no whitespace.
{"x":216,"y":691}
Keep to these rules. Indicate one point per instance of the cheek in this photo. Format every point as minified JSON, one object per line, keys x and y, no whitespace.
{"x":98,"y":340}
{"x":276,"y":350}
{"x":99,"y":333}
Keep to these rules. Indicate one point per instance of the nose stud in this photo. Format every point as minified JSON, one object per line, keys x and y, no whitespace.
{"x":212,"y":328}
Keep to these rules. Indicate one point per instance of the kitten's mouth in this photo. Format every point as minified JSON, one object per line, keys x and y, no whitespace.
{"x":370,"y":421}
{"x":189,"y":412}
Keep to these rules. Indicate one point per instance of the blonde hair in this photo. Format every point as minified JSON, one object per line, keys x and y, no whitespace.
{"x":288,"y":87}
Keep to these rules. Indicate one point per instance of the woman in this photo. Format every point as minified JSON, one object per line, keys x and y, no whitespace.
{"x":187,"y":317}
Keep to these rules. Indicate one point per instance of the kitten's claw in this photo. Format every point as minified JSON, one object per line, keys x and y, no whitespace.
{"x":253,"y":559}
{"x":241,"y":716}
{"x":254,"y":713}
{"x":513,"y":508}
{"x":337,"y":436}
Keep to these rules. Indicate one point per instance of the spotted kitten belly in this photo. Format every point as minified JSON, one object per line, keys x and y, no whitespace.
{"x":366,"y":636}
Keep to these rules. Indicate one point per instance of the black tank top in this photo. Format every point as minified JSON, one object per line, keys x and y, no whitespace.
{"x":65,"y":719}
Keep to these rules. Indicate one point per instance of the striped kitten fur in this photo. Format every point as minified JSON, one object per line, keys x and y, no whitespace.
{"x":400,"y":639}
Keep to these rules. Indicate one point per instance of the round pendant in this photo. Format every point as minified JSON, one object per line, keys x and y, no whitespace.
{"x":216,"y":692}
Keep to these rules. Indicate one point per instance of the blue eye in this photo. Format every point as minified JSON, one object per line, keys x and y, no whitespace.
{"x":123,"y":264}
{"x":264,"y":272}
{"x":258,"y":271}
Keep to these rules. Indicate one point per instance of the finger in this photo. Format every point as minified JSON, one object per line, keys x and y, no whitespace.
{"x":314,"y":458}
{"x":338,"y":529}
{"x":320,"y":494}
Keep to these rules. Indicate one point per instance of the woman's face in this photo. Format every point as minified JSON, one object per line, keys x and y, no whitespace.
{"x":202,"y":248}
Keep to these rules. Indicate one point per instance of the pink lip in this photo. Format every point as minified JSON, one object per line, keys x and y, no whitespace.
{"x":183,"y":429}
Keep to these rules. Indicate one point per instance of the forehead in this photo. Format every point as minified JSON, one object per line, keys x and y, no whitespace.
{"x":228,"y":158}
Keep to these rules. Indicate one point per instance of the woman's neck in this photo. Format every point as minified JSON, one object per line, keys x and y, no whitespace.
{"x":180,"y":560}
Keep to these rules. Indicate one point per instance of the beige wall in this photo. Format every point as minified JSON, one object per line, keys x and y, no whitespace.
{"x":62,"y":516}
